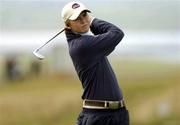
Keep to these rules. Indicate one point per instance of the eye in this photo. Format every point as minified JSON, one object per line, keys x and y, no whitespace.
{"x":78,"y":19}
{"x":84,"y":14}
{"x":81,"y":16}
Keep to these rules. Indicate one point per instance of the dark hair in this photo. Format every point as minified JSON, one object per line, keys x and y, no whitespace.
{"x":67,"y":22}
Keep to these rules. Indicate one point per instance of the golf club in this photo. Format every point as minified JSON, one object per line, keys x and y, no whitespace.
{"x":38,"y":55}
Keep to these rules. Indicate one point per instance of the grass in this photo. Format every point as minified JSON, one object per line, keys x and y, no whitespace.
{"x":39,"y":101}
{"x":148,"y":87}
{"x":151,"y":91}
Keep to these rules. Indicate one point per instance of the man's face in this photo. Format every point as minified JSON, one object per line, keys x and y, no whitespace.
{"x":81,"y":24}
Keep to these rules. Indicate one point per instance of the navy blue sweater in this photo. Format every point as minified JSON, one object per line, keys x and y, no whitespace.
{"x":89,"y":55}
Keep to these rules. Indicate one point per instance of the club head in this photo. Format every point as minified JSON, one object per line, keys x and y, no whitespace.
{"x":38,"y":55}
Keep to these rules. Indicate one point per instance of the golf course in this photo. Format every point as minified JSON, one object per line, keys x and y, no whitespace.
{"x":151,"y":91}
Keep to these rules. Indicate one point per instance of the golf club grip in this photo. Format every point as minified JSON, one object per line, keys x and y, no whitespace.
{"x":50,"y":39}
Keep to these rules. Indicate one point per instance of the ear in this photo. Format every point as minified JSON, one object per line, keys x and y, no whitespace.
{"x":68,"y":28}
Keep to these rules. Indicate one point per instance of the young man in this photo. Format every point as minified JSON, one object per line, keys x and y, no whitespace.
{"x":90,"y":41}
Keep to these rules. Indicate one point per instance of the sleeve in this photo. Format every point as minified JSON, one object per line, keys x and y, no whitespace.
{"x":106,"y":38}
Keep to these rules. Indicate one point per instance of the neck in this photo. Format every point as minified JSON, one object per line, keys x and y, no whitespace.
{"x":86,"y":33}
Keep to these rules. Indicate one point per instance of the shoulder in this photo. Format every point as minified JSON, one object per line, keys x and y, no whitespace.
{"x":81,"y":42}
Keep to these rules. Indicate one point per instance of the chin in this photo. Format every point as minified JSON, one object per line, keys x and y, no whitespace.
{"x":86,"y":30}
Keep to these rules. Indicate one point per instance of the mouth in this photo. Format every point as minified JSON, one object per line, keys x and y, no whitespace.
{"x":85,"y":27}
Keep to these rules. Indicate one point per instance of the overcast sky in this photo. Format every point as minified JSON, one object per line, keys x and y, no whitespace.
{"x":25,"y":39}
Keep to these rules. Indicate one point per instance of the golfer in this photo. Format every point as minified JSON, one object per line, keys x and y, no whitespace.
{"x":90,"y":41}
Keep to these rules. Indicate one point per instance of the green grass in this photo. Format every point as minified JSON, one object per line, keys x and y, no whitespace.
{"x":55,"y":99}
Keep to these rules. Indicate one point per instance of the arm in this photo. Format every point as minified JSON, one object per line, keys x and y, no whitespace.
{"x":107,"y":36}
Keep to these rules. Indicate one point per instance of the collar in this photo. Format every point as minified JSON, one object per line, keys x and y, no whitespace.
{"x":87,"y":33}
{"x":73,"y":35}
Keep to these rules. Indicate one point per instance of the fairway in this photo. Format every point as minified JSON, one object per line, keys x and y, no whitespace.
{"x":151,"y":92}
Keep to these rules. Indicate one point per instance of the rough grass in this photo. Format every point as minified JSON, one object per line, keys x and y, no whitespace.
{"x":151,"y":92}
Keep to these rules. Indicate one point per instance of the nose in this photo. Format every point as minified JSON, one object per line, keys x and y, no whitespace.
{"x":82,"y":20}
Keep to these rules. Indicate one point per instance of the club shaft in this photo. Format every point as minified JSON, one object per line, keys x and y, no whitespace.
{"x":50,"y":40}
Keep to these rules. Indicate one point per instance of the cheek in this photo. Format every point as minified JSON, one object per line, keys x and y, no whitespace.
{"x":73,"y":26}
{"x":88,"y":20}
{"x":76,"y":28}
